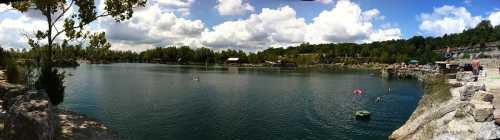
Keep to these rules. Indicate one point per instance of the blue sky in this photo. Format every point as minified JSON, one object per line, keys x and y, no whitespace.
{"x":254,"y":25}
{"x":404,"y":13}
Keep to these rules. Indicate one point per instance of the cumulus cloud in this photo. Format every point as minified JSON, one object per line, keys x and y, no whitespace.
{"x":447,"y":19}
{"x":233,"y":7}
{"x":346,"y":22}
{"x":12,"y":31}
{"x":157,"y":26}
{"x":179,"y":6}
{"x":151,"y":26}
{"x":4,"y":7}
{"x":281,"y":27}
{"x":272,"y":26}
{"x":495,"y":18}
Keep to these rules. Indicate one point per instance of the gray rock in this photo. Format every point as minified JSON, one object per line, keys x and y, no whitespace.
{"x":488,"y":131}
{"x":30,"y":117}
{"x":482,"y":111}
{"x":465,"y":76}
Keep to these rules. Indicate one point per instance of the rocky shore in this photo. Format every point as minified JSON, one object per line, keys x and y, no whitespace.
{"x":28,"y":115}
{"x":468,"y":112}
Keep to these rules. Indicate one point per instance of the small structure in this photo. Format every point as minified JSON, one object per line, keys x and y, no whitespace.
{"x":413,"y":62}
{"x":233,"y":61}
{"x":362,"y":114}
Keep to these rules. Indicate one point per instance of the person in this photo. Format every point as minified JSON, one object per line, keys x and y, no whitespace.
{"x":475,"y":67}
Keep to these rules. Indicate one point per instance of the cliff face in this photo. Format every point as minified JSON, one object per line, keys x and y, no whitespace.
{"x":28,"y":115}
{"x":466,"y":114}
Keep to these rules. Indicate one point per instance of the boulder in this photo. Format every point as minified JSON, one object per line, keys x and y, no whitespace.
{"x":465,"y":76}
{"x":469,"y":90}
{"x":10,"y":96}
{"x":488,"y":98}
{"x":456,"y":84}
{"x":482,"y":111}
{"x":463,"y":110}
{"x":482,"y":96}
{"x":30,"y":117}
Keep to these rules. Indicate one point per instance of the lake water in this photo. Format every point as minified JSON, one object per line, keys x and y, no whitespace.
{"x":151,"y":101}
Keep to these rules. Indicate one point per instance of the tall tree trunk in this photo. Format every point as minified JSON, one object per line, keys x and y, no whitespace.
{"x":49,"y":36}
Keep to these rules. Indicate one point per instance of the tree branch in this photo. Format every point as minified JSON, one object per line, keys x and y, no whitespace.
{"x":75,"y":27}
{"x":63,"y":13}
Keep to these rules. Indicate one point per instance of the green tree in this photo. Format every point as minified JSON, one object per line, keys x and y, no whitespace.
{"x":75,"y":21}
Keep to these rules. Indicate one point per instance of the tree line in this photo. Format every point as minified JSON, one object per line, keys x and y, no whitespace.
{"x":418,"y":48}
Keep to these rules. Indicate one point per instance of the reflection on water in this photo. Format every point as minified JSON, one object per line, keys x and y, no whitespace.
{"x":150,"y":101}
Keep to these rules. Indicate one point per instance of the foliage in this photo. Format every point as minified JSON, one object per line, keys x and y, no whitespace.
{"x":466,"y":56}
{"x":74,"y":23}
{"x":3,"y":57}
{"x":53,"y":83}
{"x":12,"y":72}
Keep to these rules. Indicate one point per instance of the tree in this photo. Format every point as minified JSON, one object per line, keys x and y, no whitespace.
{"x":74,"y":23}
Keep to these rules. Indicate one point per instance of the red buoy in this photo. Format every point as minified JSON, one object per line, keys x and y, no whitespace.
{"x":357,"y":92}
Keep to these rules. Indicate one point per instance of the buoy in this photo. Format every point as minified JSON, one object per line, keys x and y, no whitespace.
{"x":357,"y":92}
{"x":362,"y":114}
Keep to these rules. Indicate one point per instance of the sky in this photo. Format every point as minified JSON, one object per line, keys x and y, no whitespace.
{"x":254,"y":25}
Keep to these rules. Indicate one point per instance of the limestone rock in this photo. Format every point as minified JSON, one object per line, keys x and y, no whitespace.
{"x":30,"y":117}
{"x":483,"y":96}
{"x":482,"y":111}
{"x":488,"y":131}
{"x":465,"y":76}
{"x":456,"y":84}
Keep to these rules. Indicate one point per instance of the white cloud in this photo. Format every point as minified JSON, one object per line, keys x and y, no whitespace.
{"x":346,"y":22}
{"x":151,"y":27}
{"x":281,"y":27}
{"x":12,"y":31}
{"x":158,"y":26}
{"x":271,"y":27}
{"x":233,"y":7}
{"x":447,"y":19}
{"x":4,"y":7}
{"x":326,"y":1}
{"x":385,"y":34}
{"x":495,"y":18}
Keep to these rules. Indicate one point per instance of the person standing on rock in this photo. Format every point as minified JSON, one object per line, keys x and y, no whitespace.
{"x":475,"y":67}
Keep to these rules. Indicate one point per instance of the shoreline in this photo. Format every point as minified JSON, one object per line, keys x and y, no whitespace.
{"x":29,"y":115}
{"x":78,"y":126}
{"x":467,"y":114}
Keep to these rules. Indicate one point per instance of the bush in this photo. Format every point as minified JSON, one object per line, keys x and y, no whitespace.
{"x":52,"y":82}
{"x":12,"y":74}
{"x":3,"y":56}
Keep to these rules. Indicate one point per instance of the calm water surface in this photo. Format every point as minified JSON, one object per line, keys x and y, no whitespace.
{"x":149,"y":101}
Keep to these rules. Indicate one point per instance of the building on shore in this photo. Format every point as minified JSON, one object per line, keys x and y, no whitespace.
{"x":232,"y":61}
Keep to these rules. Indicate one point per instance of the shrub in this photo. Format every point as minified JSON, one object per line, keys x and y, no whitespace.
{"x":52,"y":82}
{"x":3,"y":56}
{"x":12,"y":74}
